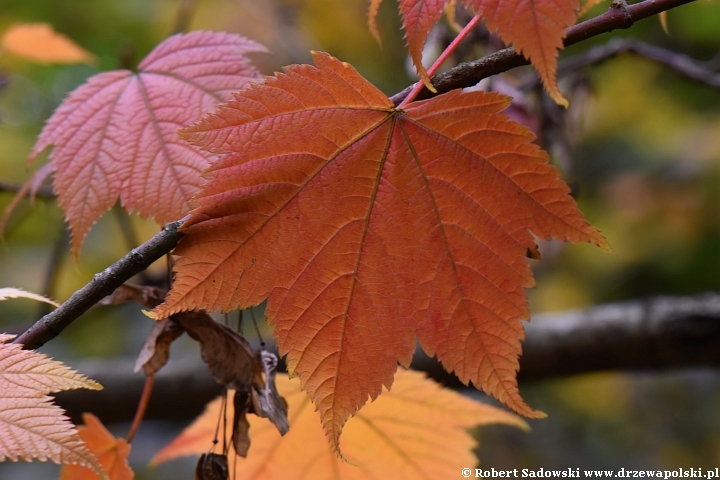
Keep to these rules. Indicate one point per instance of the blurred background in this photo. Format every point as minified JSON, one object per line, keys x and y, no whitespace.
{"x":640,"y":146}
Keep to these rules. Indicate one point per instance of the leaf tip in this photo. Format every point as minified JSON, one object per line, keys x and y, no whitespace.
{"x":93,"y":385}
{"x":599,"y":240}
{"x":604,"y":245}
{"x":559,"y":99}
{"x":423,"y":74}
{"x":663,"y":22}
{"x":372,"y":23}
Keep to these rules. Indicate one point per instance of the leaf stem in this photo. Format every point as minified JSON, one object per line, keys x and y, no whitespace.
{"x":142,"y":406}
{"x":468,"y":74}
{"x":102,"y":285}
{"x":441,"y":59}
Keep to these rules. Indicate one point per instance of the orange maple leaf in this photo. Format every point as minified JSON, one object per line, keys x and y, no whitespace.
{"x":111,"y":452}
{"x":40,"y":43}
{"x":366,"y":225}
{"x":418,"y":17}
{"x":535,"y":28}
{"x":416,"y":430}
{"x":115,"y":136}
{"x":31,"y":425}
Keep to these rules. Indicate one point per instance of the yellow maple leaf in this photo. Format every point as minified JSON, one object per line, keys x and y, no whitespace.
{"x":40,"y":43}
{"x":416,"y":430}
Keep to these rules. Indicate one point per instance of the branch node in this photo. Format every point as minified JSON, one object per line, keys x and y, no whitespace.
{"x":622,"y":7}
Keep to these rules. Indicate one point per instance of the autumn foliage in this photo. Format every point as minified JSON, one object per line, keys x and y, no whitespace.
{"x":40,"y":43}
{"x":367,"y":226}
{"x":115,"y":136}
{"x":416,"y":430}
{"x":31,"y":425}
{"x":111,"y":452}
{"x":536,"y":29}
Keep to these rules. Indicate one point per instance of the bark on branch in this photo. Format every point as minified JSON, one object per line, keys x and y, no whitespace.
{"x":658,"y":334}
{"x":104,"y":283}
{"x":701,"y":72}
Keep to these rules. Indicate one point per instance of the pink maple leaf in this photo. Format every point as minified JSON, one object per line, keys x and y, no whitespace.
{"x":115,"y":136}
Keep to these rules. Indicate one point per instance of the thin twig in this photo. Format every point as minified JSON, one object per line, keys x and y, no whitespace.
{"x":468,"y":74}
{"x":44,"y":192}
{"x":104,"y":283}
{"x":142,"y":407}
{"x":680,"y":63}
{"x":443,"y":57}
{"x":186,"y":10}
{"x":126,"y":228}
{"x":52,"y":271}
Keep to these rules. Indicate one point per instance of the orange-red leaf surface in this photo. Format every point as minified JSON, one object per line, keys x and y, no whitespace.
{"x":31,"y":426}
{"x":535,"y":28}
{"x":116,"y":135}
{"x":416,"y":430}
{"x":40,"y":43}
{"x":111,"y":452}
{"x":368,"y":226}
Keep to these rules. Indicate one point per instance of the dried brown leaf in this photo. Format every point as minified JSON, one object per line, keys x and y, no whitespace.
{"x":155,"y":352}
{"x":227,"y":354}
{"x":233,"y":364}
{"x":145,"y":295}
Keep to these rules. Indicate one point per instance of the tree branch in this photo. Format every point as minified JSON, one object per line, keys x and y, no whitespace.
{"x":618,"y":16}
{"x":656,"y":333}
{"x":701,"y":72}
{"x":43,"y":192}
{"x":659,"y":333}
{"x":104,"y":283}
{"x":467,"y":74}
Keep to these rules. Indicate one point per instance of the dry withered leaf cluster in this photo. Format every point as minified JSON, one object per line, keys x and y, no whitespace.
{"x":228,"y":355}
{"x":234,"y":365}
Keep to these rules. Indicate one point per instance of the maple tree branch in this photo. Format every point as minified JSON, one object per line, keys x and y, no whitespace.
{"x":653,"y":333}
{"x":104,"y":283}
{"x":43,"y":192}
{"x":702,"y":72}
{"x":186,"y":10}
{"x":467,"y":74}
{"x":659,"y":333}
{"x":52,"y":270}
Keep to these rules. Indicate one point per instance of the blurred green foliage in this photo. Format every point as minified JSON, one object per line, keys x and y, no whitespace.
{"x":647,"y":173}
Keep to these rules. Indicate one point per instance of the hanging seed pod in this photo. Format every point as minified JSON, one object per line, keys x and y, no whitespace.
{"x":212,"y":466}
